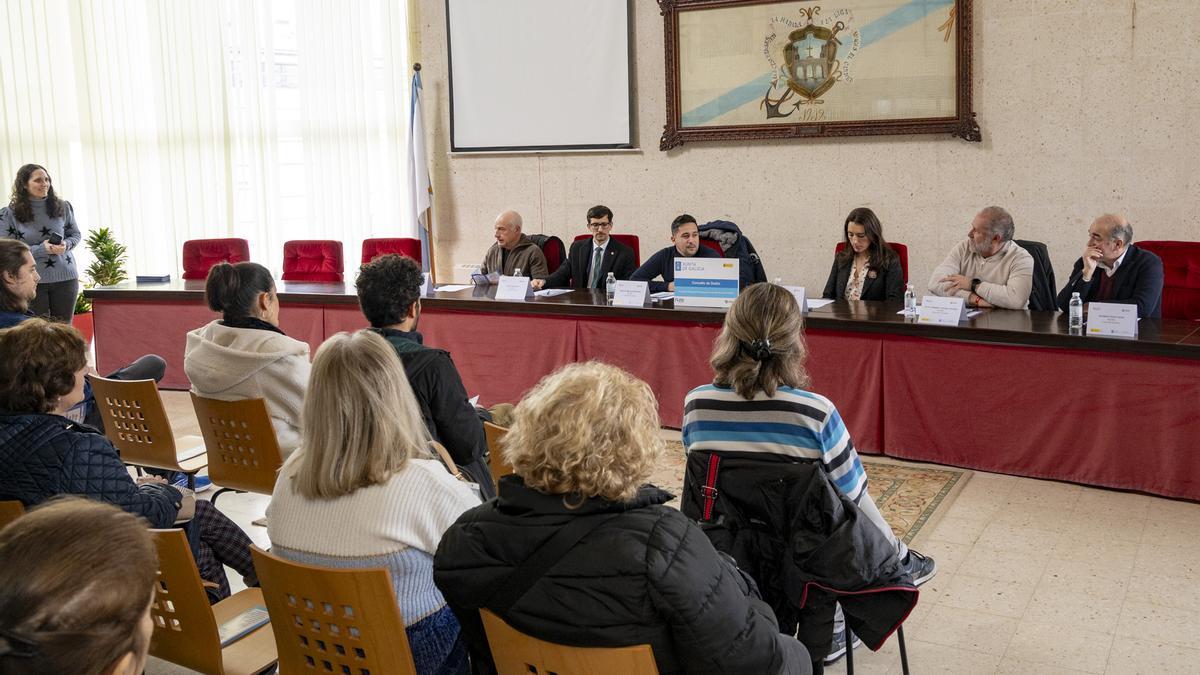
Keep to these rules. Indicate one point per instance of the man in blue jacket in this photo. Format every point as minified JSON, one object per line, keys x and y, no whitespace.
{"x":685,"y":240}
{"x":1112,"y":269}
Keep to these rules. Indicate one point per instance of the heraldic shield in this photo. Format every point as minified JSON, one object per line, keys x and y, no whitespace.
{"x":811,"y":58}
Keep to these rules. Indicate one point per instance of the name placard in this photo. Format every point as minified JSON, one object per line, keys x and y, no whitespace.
{"x":1110,"y":318}
{"x":631,"y":293}
{"x":706,"y":282}
{"x":942,"y":311}
{"x":801,"y":298}
{"x":512,"y":288}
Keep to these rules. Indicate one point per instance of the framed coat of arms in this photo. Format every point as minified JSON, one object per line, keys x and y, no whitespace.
{"x":765,"y":69}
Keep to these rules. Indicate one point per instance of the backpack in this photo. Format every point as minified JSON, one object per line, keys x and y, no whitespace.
{"x":735,"y":245}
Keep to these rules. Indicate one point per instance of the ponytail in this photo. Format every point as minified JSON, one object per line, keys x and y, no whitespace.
{"x":233,"y":289}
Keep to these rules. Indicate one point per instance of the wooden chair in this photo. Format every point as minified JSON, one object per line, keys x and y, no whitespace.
{"x":495,"y":437}
{"x":185,"y":625}
{"x":333,"y":620}
{"x":10,"y":511}
{"x":241,"y":441}
{"x":136,"y":423}
{"x":516,"y":653}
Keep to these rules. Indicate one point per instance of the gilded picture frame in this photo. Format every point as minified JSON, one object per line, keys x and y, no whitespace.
{"x":782,"y":69}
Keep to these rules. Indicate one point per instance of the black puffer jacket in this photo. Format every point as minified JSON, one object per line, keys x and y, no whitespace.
{"x":42,"y":456}
{"x":648,"y":575}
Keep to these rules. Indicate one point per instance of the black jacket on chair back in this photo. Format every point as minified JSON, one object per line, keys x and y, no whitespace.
{"x":1041,"y":296}
{"x":646,"y":575}
{"x":806,"y":544}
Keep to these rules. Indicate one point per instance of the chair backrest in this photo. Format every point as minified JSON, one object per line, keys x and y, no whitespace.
{"x":330,"y":620}
{"x":516,"y":653}
{"x":901,"y":253}
{"x":10,"y":510}
{"x":1181,"y":277}
{"x":553,"y":249}
{"x":712,"y":243}
{"x":136,"y":422}
{"x":630,"y":240}
{"x":243,"y":453}
{"x":312,"y":260}
{"x":373,"y":248}
{"x":1043,"y":295}
{"x":199,"y":255}
{"x":185,"y":631}
{"x":496,"y":464}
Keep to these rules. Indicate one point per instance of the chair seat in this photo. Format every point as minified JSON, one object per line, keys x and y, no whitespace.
{"x":189,"y":447}
{"x":255,"y":652}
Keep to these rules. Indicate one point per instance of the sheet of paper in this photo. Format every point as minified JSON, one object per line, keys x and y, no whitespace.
{"x":664,"y":295}
{"x":474,"y":400}
{"x":450,"y":288}
{"x":551,"y":292}
{"x":818,"y":303}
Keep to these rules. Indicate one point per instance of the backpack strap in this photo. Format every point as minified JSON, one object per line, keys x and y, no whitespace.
{"x":709,"y":490}
{"x":520,"y":580}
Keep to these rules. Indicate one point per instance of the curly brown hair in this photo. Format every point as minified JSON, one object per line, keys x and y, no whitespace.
{"x":39,"y":365}
{"x":19,"y":201}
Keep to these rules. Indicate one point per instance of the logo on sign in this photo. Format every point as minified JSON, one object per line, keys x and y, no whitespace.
{"x":678,"y":265}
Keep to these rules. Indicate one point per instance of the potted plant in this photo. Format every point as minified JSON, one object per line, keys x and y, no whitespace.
{"x":107,"y":269}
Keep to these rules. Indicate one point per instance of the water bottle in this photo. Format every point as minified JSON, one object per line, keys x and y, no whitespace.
{"x":610,"y":287}
{"x":1076,"y":312}
{"x":910,"y":299}
{"x":517,"y":272}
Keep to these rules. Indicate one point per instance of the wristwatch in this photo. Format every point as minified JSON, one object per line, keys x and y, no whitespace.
{"x":975,"y":284}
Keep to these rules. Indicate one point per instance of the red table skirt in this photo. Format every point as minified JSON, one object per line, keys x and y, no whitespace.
{"x":1089,"y":417}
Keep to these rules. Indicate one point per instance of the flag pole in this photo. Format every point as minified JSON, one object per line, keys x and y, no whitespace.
{"x":429,"y":215}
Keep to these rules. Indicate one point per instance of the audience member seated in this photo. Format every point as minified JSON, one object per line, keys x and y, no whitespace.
{"x":590,"y":260}
{"x":685,"y":240}
{"x":244,"y":354}
{"x":616,"y":566}
{"x":867,"y":268}
{"x":18,"y":287}
{"x":389,"y":293}
{"x":758,"y":403}
{"x":76,"y":584}
{"x":43,"y":454}
{"x":988,"y":269}
{"x":513,"y":251}
{"x":1131,"y":275}
{"x":363,"y":490}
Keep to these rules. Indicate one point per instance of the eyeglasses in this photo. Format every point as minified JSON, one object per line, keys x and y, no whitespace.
{"x":599,"y":226}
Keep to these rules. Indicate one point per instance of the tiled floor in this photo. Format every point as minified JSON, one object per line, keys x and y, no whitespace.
{"x":1034,"y":577}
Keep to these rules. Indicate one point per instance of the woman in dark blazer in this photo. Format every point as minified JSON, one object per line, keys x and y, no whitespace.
{"x":867,"y":268}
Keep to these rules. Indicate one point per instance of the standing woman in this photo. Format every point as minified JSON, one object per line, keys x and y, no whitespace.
{"x":46,"y":223}
{"x":867,"y":268}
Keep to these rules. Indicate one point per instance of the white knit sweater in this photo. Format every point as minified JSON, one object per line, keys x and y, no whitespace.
{"x":232,"y":364}
{"x":396,"y":525}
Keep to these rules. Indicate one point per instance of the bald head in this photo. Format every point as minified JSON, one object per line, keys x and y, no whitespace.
{"x":508,"y":229}
{"x":1112,"y":227}
{"x":1109,"y":236}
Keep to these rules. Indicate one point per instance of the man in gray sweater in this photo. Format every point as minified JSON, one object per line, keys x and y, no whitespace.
{"x":513,"y":250}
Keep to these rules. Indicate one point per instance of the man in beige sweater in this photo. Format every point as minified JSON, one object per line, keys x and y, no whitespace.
{"x":988,"y":269}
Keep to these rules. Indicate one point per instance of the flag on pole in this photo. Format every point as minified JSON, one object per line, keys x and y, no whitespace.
{"x":419,"y":186}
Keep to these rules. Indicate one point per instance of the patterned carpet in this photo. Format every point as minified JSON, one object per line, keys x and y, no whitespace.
{"x":909,"y":496}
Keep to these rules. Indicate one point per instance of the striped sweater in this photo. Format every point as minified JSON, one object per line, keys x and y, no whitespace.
{"x":793,"y":422}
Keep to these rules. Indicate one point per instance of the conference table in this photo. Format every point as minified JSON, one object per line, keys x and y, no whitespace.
{"x":1008,"y":391}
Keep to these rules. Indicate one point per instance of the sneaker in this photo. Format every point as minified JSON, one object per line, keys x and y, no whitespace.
{"x":838,"y":649}
{"x":920,"y":567}
{"x":202,"y":482}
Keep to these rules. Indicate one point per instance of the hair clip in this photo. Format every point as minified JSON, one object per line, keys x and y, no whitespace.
{"x":13,"y":645}
{"x":759,"y":349}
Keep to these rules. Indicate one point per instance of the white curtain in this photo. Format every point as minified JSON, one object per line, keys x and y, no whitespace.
{"x":169,"y":120}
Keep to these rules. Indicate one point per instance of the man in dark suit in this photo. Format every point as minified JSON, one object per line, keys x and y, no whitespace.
{"x":1112,"y":269}
{"x":590,"y":260}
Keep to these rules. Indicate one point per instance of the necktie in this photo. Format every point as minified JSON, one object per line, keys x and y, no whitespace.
{"x":595,"y":280}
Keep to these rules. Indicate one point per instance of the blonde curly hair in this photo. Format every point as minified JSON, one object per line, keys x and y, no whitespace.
{"x":586,"y":430}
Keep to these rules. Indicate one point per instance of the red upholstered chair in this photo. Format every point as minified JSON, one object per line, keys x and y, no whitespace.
{"x":199,"y":255}
{"x":373,"y":248}
{"x":1181,"y":277}
{"x":312,"y":260}
{"x":712,"y":243}
{"x":900,"y":249}
{"x":554,"y":251}
{"x":630,"y":240}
